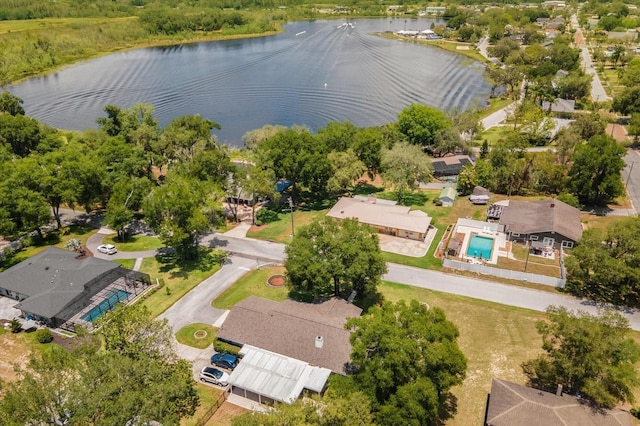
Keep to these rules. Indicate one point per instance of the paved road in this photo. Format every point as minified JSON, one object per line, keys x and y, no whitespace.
{"x":195,"y":306}
{"x":598,"y":93}
{"x":259,"y":251}
{"x":631,"y":176}
{"x":455,"y":284}
{"x":493,"y":291}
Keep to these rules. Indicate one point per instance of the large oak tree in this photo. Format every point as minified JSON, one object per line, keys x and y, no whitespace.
{"x":330,"y":257}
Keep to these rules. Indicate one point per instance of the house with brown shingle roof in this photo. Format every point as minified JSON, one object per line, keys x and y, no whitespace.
{"x":550,"y":221}
{"x":511,"y":404}
{"x":399,"y":221}
{"x":310,"y":332}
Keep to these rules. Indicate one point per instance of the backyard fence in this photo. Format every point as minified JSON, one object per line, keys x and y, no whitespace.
{"x":504,"y":273}
{"x":212,"y":410}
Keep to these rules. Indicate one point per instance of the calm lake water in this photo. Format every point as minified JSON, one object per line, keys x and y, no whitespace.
{"x":314,"y":73}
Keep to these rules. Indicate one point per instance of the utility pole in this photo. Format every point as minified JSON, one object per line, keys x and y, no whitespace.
{"x":526,"y":262}
{"x":291,"y":206}
{"x":628,"y":176}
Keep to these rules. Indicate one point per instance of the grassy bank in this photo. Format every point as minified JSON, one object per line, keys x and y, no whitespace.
{"x":37,"y":47}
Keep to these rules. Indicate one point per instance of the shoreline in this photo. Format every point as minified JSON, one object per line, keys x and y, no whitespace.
{"x":145,"y":45}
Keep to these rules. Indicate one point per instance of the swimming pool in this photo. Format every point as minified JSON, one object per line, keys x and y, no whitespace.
{"x":106,"y":305}
{"x":480,"y":247}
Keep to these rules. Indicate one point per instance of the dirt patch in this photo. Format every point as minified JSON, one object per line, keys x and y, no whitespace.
{"x":225,"y":414}
{"x":376,"y":181}
{"x":71,"y":343}
{"x":618,"y":132}
{"x":12,"y":351}
{"x":276,"y":280}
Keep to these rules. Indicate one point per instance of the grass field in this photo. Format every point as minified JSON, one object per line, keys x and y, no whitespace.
{"x":40,"y":24}
{"x":252,"y":283}
{"x":197,"y":335}
{"x":126,"y":263}
{"x":178,"y":279}
{"x":495,"y":134}
{"x":134,"y":242}
{"x":280,"y":231}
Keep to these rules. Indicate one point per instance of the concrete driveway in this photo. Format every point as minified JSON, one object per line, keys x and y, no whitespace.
{"x":195,"y":306}
{"x":7,"y":310}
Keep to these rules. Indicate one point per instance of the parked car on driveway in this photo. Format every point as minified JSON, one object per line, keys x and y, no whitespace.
{"x":225,"y":361}
{"x":213,"y":375}
{"x":107,"y":249}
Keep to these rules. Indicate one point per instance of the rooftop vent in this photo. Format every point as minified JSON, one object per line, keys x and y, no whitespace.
{"x":319,"y":342}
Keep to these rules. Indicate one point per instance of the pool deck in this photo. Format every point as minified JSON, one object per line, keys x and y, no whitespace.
{"x":500,"y":247}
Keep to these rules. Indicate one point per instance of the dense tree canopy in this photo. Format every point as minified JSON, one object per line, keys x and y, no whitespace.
{"x":406,"y":359}
{"x":127,"y":382}
{"x":421,"y":123}
{"x":331,"y":257}
{"x":605,"y":266}
{"x":404,"y":166}
{"x":595,"y":173}
{"x":180,"y":211}
{"x":592,"y":355}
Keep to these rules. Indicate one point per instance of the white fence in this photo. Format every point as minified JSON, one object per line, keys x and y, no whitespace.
{"x":504,"y":273}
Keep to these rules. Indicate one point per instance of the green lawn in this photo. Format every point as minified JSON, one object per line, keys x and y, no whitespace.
{"x":252,"y":283}
{"x":134,"y":242}
{"x":178,"y":279}
{"x":197,"y":335}
{"x":126,"y":263}
{"x":496,"y":104}
{"x":495,"y":134}
{"x":280,"y":231}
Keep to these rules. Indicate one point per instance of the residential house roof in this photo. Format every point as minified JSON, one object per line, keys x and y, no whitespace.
{"x":381,"y":215}
{"x":550,"y":215}
{"x":52,"y":279}
{"x":560,"y":105}
{"x":511,"y":404}
{"x":276,"y":376}
{"x":290,"y":328}
{"x":450,"y":165}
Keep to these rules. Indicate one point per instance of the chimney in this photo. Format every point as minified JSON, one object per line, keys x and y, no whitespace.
{"x":559,"y":390}
{"x":319,"y":342}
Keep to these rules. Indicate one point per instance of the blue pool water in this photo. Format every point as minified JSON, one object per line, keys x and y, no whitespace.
{"x":480,"y":247}
{"x":106,"y":305}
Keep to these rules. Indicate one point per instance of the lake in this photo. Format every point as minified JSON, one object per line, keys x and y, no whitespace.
{"x":314,"y":73}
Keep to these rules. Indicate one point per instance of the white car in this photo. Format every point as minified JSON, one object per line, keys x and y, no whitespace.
{"x":213,"y":375}
{"x":107,"y":249}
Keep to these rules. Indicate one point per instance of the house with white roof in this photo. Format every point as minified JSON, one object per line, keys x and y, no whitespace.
{"x":398,"y":221}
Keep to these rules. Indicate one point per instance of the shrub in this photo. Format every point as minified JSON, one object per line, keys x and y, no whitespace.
{"x":44,"y":335}
{"x":437,"y":202}
{"x":225,"y":348}
{"x":15,"y":326}
{"x":265,"y":215}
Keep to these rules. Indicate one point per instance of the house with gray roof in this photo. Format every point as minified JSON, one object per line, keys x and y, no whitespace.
{"x":309,"y":332}
{"x":551,"y":222}
{"x":399,"y":221}
{"x":57,"y":285}
{"x":511,"y":404}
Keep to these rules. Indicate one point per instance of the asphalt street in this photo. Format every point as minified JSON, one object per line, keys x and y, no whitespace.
{"x":631,"y":177}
